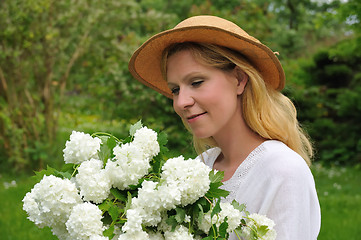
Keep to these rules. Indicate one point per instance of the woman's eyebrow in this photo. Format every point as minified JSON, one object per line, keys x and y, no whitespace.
{"x":186,"y":77}
{"x":171,"y":84}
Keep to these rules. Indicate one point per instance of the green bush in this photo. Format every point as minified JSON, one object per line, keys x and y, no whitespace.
{"x":330,"y":103}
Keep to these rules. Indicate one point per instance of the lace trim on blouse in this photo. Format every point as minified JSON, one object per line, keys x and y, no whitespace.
{"x":232,"y":184}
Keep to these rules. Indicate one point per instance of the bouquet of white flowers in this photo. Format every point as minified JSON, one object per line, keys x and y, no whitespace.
{"x":113,"y":189}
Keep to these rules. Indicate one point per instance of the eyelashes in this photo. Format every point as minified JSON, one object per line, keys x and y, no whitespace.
{"x":194,"y":84}
{"x":197,"y":83}
{"x":191,"y":81}
{"x":175,"y":90}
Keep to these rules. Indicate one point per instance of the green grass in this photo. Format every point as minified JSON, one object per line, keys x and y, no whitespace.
{"x":14,"y":224}
{"x":339,"y":192}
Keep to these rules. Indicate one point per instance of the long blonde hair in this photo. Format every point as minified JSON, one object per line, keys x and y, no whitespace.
{"x":266,"y":111}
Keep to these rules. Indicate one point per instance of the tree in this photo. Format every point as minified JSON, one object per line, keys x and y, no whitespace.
{"x":46,"y":48}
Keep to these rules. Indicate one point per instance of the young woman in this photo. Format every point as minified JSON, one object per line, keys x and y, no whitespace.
{"x":225,"y":86}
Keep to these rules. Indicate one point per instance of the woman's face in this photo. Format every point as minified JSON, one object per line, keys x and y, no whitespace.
{"x":205,"y":97}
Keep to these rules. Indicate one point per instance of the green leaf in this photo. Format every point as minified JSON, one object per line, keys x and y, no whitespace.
{"x":172,"y":222}
{"x":107,"y":220}
{"x":199,"y":208}
{"x":69,"y":167}
{"x":45,"y":172}
{"x":105,"y":152}
{"x":133,"y":128}
{"x":243,"y":221}
{"x":199,"y":214}
{"x":139,"y":185}
{"x":127,"y":140}
{"x":239,"y":207}
{"x":216,"y":209}
{"x":163,"y":140}
{"x":52,"y":171}
{"x":118,"y":194}
{"x":63,"y":175}
{"x":262,"y":230}
{"x":213,"y":231}
{"x":158,"y":162}
{"x":223,"y":228}
{"x":104,"y":206}
{"x":204,"y":204}
{"x":114,"y":212}
{"x":103,"y":138}
{"x":111,"y":143}
{"x":106,"y":148}
{"x":215,"y":192}
{"x":216,"y":177}
{"x":109,"y":232}
{"x":181,"y":215}
{"x":128,"y":202}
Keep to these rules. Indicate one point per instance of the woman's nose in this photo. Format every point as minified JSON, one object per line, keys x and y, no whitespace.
{"x":183,"y":100}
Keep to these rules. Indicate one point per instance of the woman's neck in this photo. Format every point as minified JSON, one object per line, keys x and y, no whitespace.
{"x":236,"y":143}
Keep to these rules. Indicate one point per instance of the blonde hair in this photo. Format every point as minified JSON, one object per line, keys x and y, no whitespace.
{"x":266,"y":111}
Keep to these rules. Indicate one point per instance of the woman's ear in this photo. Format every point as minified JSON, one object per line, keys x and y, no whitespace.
{"x":242,"y":79}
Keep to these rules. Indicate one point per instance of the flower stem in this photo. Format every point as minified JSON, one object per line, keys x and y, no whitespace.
{"x":75,"y":169}
{"x":106,"y":134}
{"x":208,"y":201}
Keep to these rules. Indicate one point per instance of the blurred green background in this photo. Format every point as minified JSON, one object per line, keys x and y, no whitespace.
{"x":63,"y":67}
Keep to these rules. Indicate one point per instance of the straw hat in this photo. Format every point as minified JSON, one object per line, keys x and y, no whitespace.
{"x":145,"y":64}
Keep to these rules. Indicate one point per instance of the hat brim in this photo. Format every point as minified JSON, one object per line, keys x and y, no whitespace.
{"x":145,"y":64}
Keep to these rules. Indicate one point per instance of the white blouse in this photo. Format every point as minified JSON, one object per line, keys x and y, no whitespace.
{"x":275,"y":181}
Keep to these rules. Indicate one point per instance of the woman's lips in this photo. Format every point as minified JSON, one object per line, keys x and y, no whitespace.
{"x":195,"y":117}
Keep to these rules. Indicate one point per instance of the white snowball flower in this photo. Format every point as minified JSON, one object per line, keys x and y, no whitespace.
{"x":50,"y":201}
{"x":206,"y":223}
{"x":187,"y":219}
{"x":93,"y":181}
{"x":134,"y":236}
{"x":147,"y":196}
{"x":134,"y":221}
{"x":85,"y":221}
{"x":128,"y":166}
{"x":81,"y":147}
{"x":260,"y":220}
{"x":155,"y":236}
{"x":148,"y":204}
{"x":146,"y":209}
{"x":183,"y":182}
{"x":61,"y":232}
{"x":147,"y":140}
{"x":169,"y":195}
{"x":98,"y":237}
{"x":180,"y":233}
{"x":191,"y":177}
{"x":233,"y":215}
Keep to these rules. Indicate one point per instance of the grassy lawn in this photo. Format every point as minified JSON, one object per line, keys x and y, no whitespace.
{"x":339,"y":192}
{"x":13,"y":222}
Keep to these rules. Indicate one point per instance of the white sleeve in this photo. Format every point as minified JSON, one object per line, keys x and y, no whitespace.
{"x":290,"y":198}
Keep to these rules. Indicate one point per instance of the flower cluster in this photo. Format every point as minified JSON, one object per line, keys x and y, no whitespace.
{"x":112,"y":189}
{"x":80,"y":148}
{"x":182,"y":183}
{"x":254,"y":222}
{"x":228,"y":211}
{"x":50,"y":203}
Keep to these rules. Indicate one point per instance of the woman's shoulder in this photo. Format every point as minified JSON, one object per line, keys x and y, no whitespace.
{"x":279,"y":159}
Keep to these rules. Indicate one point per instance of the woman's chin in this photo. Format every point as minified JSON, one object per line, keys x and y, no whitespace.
{"x":201,"y":134}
